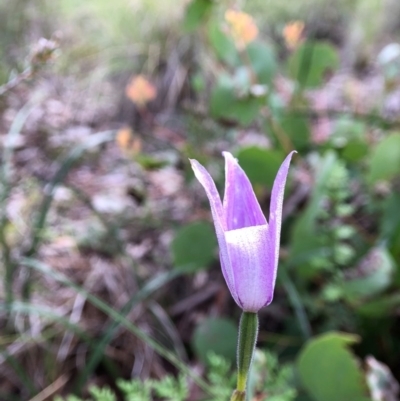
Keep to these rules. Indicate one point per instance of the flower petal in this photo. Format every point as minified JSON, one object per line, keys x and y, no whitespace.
{"x":219,"y":222}
{"x":241,"y":207}
{"x":227,"y":269}
{"x":208,"y":184}
{"x":250,"y":254}
{"x":275,"y":210}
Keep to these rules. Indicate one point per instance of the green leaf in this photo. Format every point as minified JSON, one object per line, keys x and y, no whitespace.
{"x":171,"y":388}
{"x":329,"y":371}
{"x":381,"y":307}
{"x":297,"y":129}
{"x":311,"y":61}
{"x":390,"y":227}
{"x":102,"y":394}
{"x":135,"y":389}
{"x":391,"y":218}
{"x":194,"y":247}
{"x":245,"y":110}
{"x":376,"y":271}
{"x":216,"y":335}
{"x":149,"y":162}
{"x":263,"y":61}
{"x":222,"y":96}
{"x":355,"y":150}
{"x":260,"y":165}
{"x":304,"y":241}
{"x":196,"y":12}
{"x":385,"y":159}
{"x":349,"y":137}
{"x":198,"y":82}
{"x":225,"y":102}
{"x":345,"y":130}
{"x":223,"y":45}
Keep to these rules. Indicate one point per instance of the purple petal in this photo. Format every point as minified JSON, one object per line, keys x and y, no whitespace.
{"x":240,"y":205}
{"x":208,"y":184}
{"x":227,"y":270}
{"x":275,"y":211}
{"x":250,"y":254}
{"x":219,"y":222}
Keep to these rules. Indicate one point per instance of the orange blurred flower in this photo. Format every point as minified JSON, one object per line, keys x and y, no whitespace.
{"x":292,"y":33}
{"x":128,"y":142}
{"x":242,"y":27}
{"x":140,"y":90}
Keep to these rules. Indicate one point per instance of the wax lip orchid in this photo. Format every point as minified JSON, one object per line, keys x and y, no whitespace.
{"x":248,"y":244}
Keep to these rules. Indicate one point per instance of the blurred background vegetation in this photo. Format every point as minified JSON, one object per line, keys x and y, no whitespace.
{"x":110,"y":280}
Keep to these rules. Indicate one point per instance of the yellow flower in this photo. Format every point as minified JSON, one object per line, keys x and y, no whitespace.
{"x":292,"y":33}
{"x":140,"y":90}
{"x":242,"y":27}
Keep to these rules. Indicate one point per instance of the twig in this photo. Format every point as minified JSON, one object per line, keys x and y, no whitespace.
{"x":23,"y":76}
{"x":51,"y":389}
{"x":43,"y":51}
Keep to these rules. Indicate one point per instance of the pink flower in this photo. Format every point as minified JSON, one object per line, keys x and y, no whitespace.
{"x":248,"y":244}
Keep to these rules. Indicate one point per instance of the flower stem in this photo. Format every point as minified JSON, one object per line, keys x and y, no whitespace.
{"x":248,"y":331}
{"x":238,"y":396}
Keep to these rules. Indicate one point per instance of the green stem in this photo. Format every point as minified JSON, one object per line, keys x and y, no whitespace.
{"x":248,"y":331}
{"x":238,"y":396}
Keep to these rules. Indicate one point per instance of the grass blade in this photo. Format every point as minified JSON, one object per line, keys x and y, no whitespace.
{"x":168,"y":355}
{"x":65,"y":166}
{"x":149,"y":288}
{"x":297,"y":305}
{"x":6,"y":186}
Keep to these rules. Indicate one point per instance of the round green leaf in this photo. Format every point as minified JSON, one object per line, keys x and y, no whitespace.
{"x":193,"y":247}
{"x":311,"y":61}
{"x":385,"y":159}
{"x":260,"y":165}
{"x":329,"y":371}
{"x":216,"y":335}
